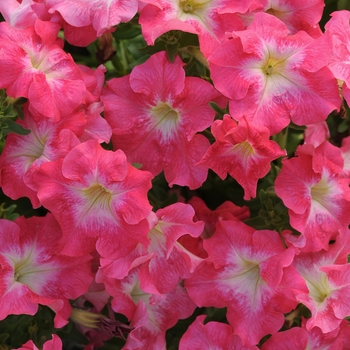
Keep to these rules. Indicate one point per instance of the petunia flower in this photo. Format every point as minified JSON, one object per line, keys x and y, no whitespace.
{"x":272,"y":77}
{"x":92,"y":18}
{"x":32,"y":272}
{"x":318,"y":197}
{"x":248,"y":272}
{"x":244,"y":151}
{"x":98,"y":198}
{"x":156,"y":113}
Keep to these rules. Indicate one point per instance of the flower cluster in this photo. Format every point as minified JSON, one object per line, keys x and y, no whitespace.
{"x":227,"y":109}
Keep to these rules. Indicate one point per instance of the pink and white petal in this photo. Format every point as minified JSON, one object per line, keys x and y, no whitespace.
{"x":199,"y":336}
{"x":183,"y":169}
{"x":156,"y":21}
{"x":229,"y":75}
{"x":175,"y":221}
{"x":291,"y":183}
{"x":192,"y":105}
{"x":120,"y":268}
{"x":130,"y":199}
{"x":267,"y":26}
{"x":338,"y":29}
{"x":298,"y":15}
{"x":106,"y":13}
{"x":158,"y":78}
{"x":17,"y":301}
{"x":96,"y":126}
{"x":295,"y":338}
{"x":18,"y":15}
{"x":76,"y":12}
{"x":79,"y":36}
{"x":121,"y":240}
{"x":322,"y":98}
{"x":92,"y":159}
{"x":244,"y":295}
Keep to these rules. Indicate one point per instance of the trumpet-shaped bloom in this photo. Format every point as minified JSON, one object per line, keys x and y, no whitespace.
{"x":272,"y":77}
{"x":248,"y":272}
{"x":33,"y":65}
{"x":155,"y":113}
{"x":24,"y":154}
{"x":96,"y":196}
{"x":318,"y":198}
{"x":94,"y":17}
{"x":165,"y":261}
{"x":297,"y":14}
{"x":210,"y":19}
{"x":244,"y":151}
{"x":32,"y":273}
{"x":171,"y":261}
{"x":150,"y":315}
{"x":326,"y":274}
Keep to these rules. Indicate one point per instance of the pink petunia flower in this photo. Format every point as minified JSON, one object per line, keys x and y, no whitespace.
{"x":34,"y":66}
{"x":317,"y":196}
{"x":248,"y":272}
{"x":98,"y":199}
{"x":326,"y":274}
{"x":244,"y":151}
{"x":165,"y":261}
{"x":155,"y":114}
{"x":209,"y":19}
{"x":272,"y":77}
{"x":297,"y":15}
{"x":24,"y":154}
{"x":93,"y":18}
{"x":150,"y":315}
{"x":171,"y":262}
{"x":32,"y":272}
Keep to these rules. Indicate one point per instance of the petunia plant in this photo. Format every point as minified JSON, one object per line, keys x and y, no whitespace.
{"x":174,"y":174}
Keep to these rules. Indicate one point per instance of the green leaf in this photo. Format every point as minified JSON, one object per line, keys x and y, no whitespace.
{"x":171,"y":50}
{"x":217,"y":108}
{"x":10,"y":126}
{"x":343,"y":126}
{"x":127,"y":32}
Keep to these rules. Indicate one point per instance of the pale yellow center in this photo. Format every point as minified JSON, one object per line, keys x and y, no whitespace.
{"x":138,"y":294}
{"x":98,"y":195}
{"x":320,"y":191}
{"x":320,"y":289}
{"x":24,"y":267}
{"x":194,"y":7}
{"x":244,"y":149}
{"x":166,"y":119}
{"x":273,"y":66}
